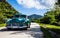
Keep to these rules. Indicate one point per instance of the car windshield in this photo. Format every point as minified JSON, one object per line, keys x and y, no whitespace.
{"x":20,"y":16}
{"x":17,"y":16}
{"x":23,"y":16}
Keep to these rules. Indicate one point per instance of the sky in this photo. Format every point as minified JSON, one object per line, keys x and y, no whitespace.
{"x":29,"y":7}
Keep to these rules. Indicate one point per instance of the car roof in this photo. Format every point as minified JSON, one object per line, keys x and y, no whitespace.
{"x":20,"y":14}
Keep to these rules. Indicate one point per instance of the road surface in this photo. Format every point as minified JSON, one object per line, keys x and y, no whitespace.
{"x":33,"y":32}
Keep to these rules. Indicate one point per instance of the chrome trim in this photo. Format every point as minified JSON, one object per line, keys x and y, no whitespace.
{"x":16,"y":27}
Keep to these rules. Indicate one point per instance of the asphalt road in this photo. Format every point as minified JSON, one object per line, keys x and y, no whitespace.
{"x":33,"y":32}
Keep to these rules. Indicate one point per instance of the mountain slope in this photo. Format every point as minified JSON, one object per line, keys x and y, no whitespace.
{"x":34,"y":16}
{"x":6,"y":10}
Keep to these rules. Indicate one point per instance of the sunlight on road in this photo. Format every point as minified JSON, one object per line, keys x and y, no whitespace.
{"x":33,"y":32}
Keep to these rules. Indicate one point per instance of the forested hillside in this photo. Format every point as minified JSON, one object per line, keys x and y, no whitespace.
{"x":53,"y":16}
{"x":6,"y":11}
{"x":34,"y":16}
{"x":51,"y":21}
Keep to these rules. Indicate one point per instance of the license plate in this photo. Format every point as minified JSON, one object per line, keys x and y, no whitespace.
{"x":15,"y":26}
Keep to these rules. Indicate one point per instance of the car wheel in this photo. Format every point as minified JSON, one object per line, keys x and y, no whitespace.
{"x":25,"y":28}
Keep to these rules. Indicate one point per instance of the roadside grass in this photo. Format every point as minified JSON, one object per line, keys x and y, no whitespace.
{"x":46,"y":32}
{"x":50,"y":26}
{"x":53,"y":28}
{"x":2,"y":25}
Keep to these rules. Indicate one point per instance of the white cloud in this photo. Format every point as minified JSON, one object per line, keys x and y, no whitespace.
{"x":49,"y":3}
{"x":38,"y":4}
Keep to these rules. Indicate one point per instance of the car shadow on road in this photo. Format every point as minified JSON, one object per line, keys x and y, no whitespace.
{"x":34,"y":32}
{"x":5,"y":29}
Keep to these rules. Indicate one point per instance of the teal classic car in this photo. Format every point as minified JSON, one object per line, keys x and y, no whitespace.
{"x":18,"y":21}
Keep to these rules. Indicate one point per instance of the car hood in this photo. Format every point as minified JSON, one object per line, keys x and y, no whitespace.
{"x":17,"y":20}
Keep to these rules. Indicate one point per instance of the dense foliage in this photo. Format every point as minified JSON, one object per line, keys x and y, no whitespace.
{"x":52,"y":17}
{"x":59,"y":2}
{"x":6,"y":11}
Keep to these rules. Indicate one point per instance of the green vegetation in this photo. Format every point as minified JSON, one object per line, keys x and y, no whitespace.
{"x":58,"y":2}
{"x":36,"y":20}
{"x":50,"y":21}
{"x":6,"y":11}
{"x":54,"y":28}
{"x":52,"y":17}
{"x":2,"y":25}
{"x":46,"y":32}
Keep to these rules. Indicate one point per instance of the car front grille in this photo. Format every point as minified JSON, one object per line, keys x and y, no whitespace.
{"x":17,"y":24}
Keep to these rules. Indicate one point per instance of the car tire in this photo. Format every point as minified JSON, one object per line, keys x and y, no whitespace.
{"x":25,"y":28}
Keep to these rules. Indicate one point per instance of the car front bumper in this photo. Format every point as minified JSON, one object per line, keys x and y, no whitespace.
{"x":16,"y":27}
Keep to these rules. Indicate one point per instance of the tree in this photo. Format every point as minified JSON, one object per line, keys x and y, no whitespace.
{"x":6,"y":10}
{"x":52,"y":17}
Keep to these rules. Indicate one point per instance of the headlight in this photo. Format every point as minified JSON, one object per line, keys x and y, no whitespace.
{"x":8,"y":24}
{"x":24,"y":23}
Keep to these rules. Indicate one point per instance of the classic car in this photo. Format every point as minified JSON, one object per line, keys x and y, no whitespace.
{"x":18,"y":21}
